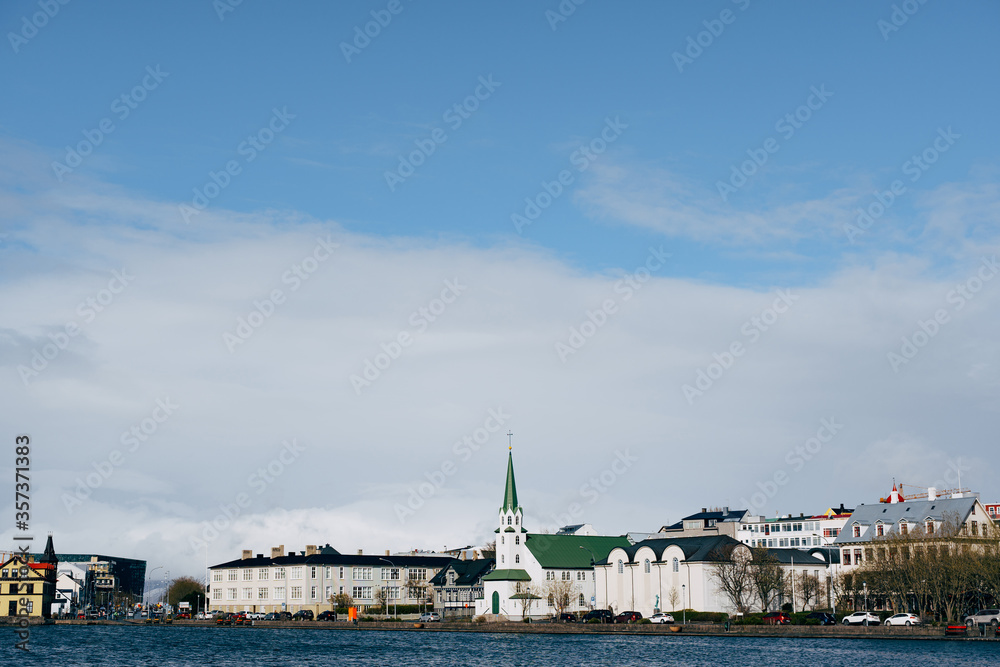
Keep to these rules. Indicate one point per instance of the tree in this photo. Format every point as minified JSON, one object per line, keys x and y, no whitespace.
{"x":181,"y":587}
{"x":490,"y":550}
{"x":341,"y":601}
{"x":768,"y":581}
{"x":673,"y":597}
{"x":559,"y":593}
{"x":525,"y":598}
{"x":417,"y":589}
{"x":807,"y":587}
{"x":732,"y":573}
{"x":382,"y":598}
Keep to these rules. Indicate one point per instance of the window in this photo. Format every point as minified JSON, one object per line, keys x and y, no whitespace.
{"x":509,"y":519}
{"x":341,"y":572}
{"x":216,"y":575}
{"x":501,"y":559}
{"x":582,"y":602}
{"x":857,"y":556}
{"x":363,"y":573}
{"x":581,"y":576}
{"x":248,"y":593}
{"x":975,"y":527}
{"x":517,"y":521}
{"x":621,"y":567}
{"x":313,"y":591}
{"x":279,"y":592}
{"x":312,"y":572}
{"x":279,"y":573}
{"x":831,"y":532}
{"x":517,"y":539}
{"x":261,"y":593}
{"x":328,"y":572}
{"x":552,"y":600}
{"x":262,"y":573}
{"x":230,"y":593}
{"x":904,"y":528}
{"x":247,"y":575}
{"x":296,"y":592}
{"x":677,"y":566}
{"x":361,"y":592}
{"x":418,"y":573}
{"x":296,"y":573}
{"x":232,"y":575}
{"x":390,"y":573}
{"x":647,"y":566}
{"x":517,"y":558}
{"x":502,"y":540}
{"x":930,"y":527}
{"x":878,"y":530}
{"x":550,"y":576}
{"x":857,"y":531}
{"x":216,"y":593}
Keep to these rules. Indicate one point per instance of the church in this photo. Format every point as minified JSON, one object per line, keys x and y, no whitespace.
{"x":534,"y":569}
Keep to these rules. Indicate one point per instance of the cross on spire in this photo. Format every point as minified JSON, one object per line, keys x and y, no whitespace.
{"x":509,"y":436}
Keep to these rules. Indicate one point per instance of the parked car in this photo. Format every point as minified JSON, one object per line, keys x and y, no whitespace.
{"x":903,"y":619}
{"x":823,"y":618}
{"x":661,"y":618}
{"x":327,"y":616}
{"x":430,"y":617}
{"x":284,"y":616}
{"x":303,"y":615}
{"x":861,"y":618}
{"x":602,"y":615}
{"x":990,"y":616}
{"x":183,"y":614}
{"x":225,"y":619}
{"x":628,"y":617}
{"x":271,"y":616}
{"x":256,"y":615}
{"x":777,"y":618}
{"x":566,"y":617}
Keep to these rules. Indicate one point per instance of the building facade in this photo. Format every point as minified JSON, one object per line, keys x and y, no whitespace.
{"x":309,"y":579}
{"x":28,"y":584}
{"x":458,"y":585}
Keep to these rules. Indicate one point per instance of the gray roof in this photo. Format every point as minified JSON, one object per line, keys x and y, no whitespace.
{"x":890,"y":514}
{"x":795,"y":557}
{"x":707,"y":548}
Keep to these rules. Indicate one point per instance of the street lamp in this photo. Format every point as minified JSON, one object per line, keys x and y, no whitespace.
{"x":149,"y":579}
{"x":395,"y":605}
{"x":684,"y":612}
{"x":593,"y":564}
{"x":864,"y":584}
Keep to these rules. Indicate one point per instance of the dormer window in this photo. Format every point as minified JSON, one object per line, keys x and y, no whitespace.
{"x":904,"y":528}
{"x":930,"y":527}
{"x":879,"y":530}
{"x":857,"y":531}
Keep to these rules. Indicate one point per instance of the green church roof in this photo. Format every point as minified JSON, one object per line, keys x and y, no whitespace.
{"x":507,"y":575}
{"x":510,"y":491}
{"x":563,"y":551}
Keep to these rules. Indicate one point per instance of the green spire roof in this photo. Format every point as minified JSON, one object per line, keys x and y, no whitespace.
{"x":510,"y":492}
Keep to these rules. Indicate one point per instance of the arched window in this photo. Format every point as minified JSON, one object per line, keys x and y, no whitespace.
{"x":517,"y":521}
{"x":517,"y":558}
{"x":677,"y":565}
{"x":552,"y":600}
{"x":508,"y":521}
{"x":647,"y":566}
{"x":501,"y":558}
{"x":621,"y":567}
{"x":517,"y":539}
{"x":583,"y":603}
{"x":501,"y":539}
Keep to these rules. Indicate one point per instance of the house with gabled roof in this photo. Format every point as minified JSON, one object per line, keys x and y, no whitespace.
{"x":931,"y":518}
{"x":458,"y":585}
{"x":535,"y":564}
{"x":27,"y":585}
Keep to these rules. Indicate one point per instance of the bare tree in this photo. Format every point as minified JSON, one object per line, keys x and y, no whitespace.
{"x":525,"y":599}
{"x":767,"y":579}
{"x":732,"y":573}
{"x":673,"y":597}
{"x":559,"y":592}
{"x":807,"y":587}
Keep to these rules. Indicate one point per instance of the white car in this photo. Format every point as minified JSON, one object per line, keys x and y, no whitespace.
{"x":430,"y":617}
{"x":661,"y":618}
{"x":903,"y":619}
{"x":861,"y":618}
{"x":988,"y":616}
{"x":255,"y":615}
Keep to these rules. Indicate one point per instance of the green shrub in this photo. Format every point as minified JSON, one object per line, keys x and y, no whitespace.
{"x":644,"y":621}
{"x":594,"y":620}
{"x":750,"y":619}
{"x":701,"y":616}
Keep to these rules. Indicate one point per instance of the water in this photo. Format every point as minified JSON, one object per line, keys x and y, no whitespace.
{"x":223,"y":647}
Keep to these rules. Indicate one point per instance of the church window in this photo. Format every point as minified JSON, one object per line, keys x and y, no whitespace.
{"x":621,"y":567}
{"x":582,"y":602}
{"x":647,"y":566}
{"x":501,"y":558}
{"x":517,"y":558}
{"x":517,"y":539}
{"x":508,"y":520}
{"x":677,"y":565}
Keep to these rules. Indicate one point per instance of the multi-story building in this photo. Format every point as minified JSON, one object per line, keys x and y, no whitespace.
{"x":311,"y":578}
{"x":788,"y":532}
{"x":706,"y":523}
{"x":28,"y":586}
{"x":458,"y":585}
{"x":993,"y":510}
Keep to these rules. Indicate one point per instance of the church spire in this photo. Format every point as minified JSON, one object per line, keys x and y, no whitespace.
{"x":510,"y":491}
{"x":49,"y":555}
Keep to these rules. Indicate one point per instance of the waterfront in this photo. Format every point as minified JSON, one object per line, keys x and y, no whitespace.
{"x":130,"y":645}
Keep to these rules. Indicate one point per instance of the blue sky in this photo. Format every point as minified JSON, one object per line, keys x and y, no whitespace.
{"x":863,"y":101}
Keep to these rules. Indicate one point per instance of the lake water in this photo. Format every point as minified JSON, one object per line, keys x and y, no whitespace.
{"x":221,"y":647}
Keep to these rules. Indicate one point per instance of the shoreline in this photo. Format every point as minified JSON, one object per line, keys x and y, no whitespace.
{"x":689,"y":630}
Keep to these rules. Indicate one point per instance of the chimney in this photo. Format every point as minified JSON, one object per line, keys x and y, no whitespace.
{"x":802,"y":515}
{"x":463,"y":555}
{"x":247,"y":553}
{"x":932,"y":493}
{"x":704,"y":509}
{"x":260,"y":555}
{"x":361,"y":552}
{"x":278,"y":551}
{"x":725,"y":510}
{"x":311,"y":550}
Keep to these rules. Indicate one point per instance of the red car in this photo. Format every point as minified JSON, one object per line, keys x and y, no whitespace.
{"x":777,"y":618}
{"x":628,"y":617}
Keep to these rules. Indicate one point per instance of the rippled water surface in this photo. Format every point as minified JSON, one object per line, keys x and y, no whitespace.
{"x":113,"y":645}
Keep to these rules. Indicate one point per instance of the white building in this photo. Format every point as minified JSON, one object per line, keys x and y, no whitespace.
{"x":529,"y":566}
{"x":788,"y":532}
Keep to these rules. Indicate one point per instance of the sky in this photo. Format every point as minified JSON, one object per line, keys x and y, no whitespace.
{"x":289,"y":274}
